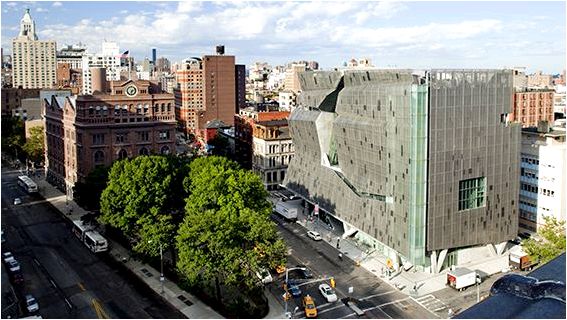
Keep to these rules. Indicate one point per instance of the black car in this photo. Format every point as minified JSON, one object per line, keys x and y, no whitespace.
{"x":304,"y":272}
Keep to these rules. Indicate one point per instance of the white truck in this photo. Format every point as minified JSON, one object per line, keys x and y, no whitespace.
{"x":289,"y":208}
{"x":461,"y":278}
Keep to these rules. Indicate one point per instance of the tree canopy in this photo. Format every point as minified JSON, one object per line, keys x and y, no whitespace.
{"x":34,"y":146}
{"x":142,"y":198}
{"x":88,"y":193}
{"x":13,"y":135}
{"x":551,"y":242}
{"x":226,"y":232}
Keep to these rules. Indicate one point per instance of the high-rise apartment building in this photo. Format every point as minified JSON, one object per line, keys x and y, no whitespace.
{"x":532,"y":106}
{"x":291,"y":81}
{"x":109,"y":58}
{"x":34,"y":63}
{"x":240,"y":82}
{"x":542,"y":176}
{"x":417,"y":164}
{"x":206,"y":91}
{"x":121,"y":119}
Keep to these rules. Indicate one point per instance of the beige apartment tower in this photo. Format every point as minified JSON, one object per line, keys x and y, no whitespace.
{"x":34,"y":62}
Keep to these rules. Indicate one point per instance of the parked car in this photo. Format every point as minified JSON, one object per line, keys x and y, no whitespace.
{"x":31,"y":304}
{"x":328,"y":292}
{"x":264,"y":275}
{"x":314,"y":235}
{"x":6,"y":256}
{"x":13,"y":265}
{"x":293,"y":288}
{"x":3,"y":239}
{"x":305,"y":272}
{"x":17,"y":201}
{"x":310,"y":308}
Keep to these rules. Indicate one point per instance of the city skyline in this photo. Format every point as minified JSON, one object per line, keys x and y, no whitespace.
{"x":391,"y":34}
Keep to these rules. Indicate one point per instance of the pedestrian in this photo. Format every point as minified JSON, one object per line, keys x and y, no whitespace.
{"x":338,"y":242}
{"x":340,"y":256}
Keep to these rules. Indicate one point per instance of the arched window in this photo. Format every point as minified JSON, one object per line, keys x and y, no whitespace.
{"x":168,"y":107}
{"x":99,"y":157}
{"x":165,"y":150}
{"x":122,"y":154}
{"x":162,"y":107}
{"x":144,"y":152}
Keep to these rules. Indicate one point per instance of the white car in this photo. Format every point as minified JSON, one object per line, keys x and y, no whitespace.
{"x":264,"y":275}
{"x":17,"y":201}
{"x":13,"y":264}
{"x":328,"y":292}
{"x":6,"y":256}
{"x":314,"y":235}
{"x":31,"y":304}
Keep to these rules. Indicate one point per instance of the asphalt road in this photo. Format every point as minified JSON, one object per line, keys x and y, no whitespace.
{"x":376,"y":298}
{"x":67,"y":279}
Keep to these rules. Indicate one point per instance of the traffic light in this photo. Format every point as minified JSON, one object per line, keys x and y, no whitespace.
{"x":333,"y":282}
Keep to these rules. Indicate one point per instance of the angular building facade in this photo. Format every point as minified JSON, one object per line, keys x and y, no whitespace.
{"x":418,"y":163}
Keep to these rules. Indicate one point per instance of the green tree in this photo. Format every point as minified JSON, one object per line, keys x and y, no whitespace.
{"x":13,"y":136}
{"x":88,"y":193}
{"x":34,"y":146}
{"x":550,"y":241}
{"x":226,"y":234}
{"x":142,"y":198}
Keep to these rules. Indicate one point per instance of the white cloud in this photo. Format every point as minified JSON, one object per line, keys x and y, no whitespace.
{"x":57,"y":4}
{"x":12,"y":4}
{"x":292,"y":29}
{"x":189,"y":6}
{"x":40,"y":9}
{"x":385,"y":10}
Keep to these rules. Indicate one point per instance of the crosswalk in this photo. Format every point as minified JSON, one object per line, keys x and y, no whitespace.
{"x":431,"y":303}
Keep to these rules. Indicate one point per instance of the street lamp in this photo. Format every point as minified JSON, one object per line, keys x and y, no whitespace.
{"x":161,"y":277}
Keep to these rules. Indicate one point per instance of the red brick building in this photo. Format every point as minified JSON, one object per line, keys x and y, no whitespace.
{"x":122,"y":119}
{"x":533,"y":105}
{"x":206,"y":91}
{"x":69,"y":78}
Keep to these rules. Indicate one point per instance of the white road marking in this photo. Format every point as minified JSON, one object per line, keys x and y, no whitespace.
{"x":378,"y":294}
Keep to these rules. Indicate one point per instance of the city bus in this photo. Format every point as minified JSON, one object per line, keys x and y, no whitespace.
{"x":27,"y":184}
{"x":89,"y":237}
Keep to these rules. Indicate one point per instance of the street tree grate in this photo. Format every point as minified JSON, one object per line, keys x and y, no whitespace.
{"x":185,"y":300}
{"x":146,"y":272}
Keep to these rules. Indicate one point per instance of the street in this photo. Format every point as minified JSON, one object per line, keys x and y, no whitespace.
{"x":67,"y":279}
{"x":376,"y":298}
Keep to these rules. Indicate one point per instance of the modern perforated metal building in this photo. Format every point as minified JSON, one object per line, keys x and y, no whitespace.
{"x":421,"y":163}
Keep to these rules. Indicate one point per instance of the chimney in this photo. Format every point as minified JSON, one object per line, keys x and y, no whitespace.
{"x":98,"y":80}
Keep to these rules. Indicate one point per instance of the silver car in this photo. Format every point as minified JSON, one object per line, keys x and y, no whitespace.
{"x":31,"y":304}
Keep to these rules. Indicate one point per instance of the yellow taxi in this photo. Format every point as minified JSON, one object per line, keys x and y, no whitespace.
{"x":309,"y":305}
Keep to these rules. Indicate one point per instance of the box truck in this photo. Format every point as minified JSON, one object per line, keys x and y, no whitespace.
{"x":461,"y":278}
{"x":289,"y":209}
{"x":520,"y":260}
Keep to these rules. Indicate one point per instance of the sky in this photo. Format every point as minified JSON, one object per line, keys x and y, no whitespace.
{"x":448,"y":34}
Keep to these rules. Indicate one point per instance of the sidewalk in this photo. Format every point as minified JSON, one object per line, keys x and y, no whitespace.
{"x":375,"y":263}
{"x":190,"y":306}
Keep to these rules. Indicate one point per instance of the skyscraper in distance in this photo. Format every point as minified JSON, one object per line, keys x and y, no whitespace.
{"x":34,"y":62}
